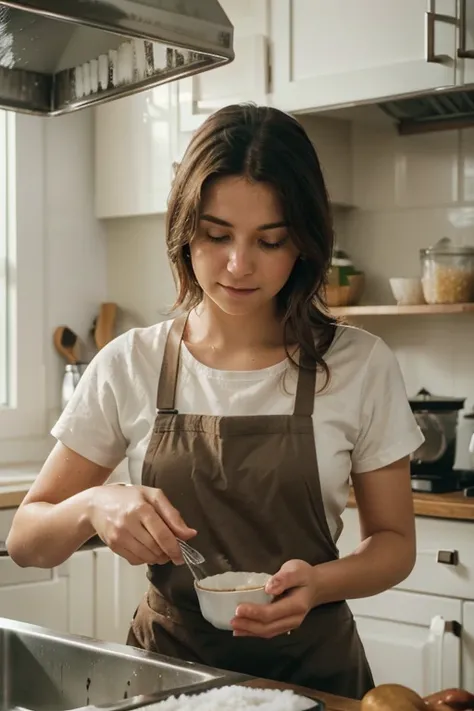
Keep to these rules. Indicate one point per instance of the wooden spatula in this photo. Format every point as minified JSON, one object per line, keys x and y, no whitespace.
{"x":105,"y":325}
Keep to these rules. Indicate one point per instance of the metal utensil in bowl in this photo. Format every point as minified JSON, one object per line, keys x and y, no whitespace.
{"x":193,"y":559}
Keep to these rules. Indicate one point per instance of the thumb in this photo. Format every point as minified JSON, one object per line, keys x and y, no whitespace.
{"x":291,"y":575}
{"x":170,"y":515}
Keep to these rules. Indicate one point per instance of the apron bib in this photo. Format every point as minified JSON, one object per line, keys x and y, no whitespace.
{"x":250,"y":486}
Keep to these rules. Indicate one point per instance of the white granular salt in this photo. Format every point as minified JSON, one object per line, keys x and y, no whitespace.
{"x":236,"y":698}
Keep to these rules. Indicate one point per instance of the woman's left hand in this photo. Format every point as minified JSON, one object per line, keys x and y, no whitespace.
{"x":294,"y":589}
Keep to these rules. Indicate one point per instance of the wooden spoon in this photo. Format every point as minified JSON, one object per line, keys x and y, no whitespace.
{"x":105,"y":325}
{"x":66,"y":343}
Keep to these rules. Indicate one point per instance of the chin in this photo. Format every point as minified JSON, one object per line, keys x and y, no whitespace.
{"x":246,"y":307}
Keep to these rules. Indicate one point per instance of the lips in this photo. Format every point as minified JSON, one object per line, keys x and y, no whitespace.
{"x":238,"y":290}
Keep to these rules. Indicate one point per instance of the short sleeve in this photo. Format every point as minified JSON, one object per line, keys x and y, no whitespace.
{"x":388,"y":429}
{"x":90,"y":424}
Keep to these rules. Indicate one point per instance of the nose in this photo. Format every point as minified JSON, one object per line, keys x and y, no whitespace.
{"x":240,"y":262}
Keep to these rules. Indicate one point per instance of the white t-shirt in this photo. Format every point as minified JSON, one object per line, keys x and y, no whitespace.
{"x":362,"y":420}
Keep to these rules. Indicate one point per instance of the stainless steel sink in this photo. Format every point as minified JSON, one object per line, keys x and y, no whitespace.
{"x":45,"y":671}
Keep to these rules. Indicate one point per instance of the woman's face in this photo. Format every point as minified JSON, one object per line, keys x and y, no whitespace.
{"x":242,"y":254}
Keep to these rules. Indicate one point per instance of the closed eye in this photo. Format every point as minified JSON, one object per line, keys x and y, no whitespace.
{"x":216,"y":238}
{"x":273,"y":245}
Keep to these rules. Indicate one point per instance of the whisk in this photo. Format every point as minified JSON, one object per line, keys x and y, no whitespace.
{"x":193,"y":559}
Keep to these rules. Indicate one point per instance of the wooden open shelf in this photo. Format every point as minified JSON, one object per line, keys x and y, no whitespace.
{"x":394,"y":310}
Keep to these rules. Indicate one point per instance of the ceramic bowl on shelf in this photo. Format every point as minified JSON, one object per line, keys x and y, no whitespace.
{"x":407,"y":290}
{"x":346,"y":295}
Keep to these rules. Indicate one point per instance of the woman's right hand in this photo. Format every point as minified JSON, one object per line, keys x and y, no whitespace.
{"x":138,"y":523}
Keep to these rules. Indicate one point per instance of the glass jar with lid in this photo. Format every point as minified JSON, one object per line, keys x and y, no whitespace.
{"x":447,"y":273}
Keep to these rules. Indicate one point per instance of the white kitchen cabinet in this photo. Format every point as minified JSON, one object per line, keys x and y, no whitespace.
{"x":394,"y":626}
{"x":59,"y":599}
{"x":119,"y":588}
{"x":334,"y":53}
{"x":134,"y":154}
{"x":243,"y":79}
{"x":465,"y":58}
{"x":468,"y":646}
{"x":395,"y":630}
{"x":444,"y":555}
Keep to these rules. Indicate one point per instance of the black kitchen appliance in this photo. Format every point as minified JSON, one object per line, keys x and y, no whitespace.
{"x":432,"y":463}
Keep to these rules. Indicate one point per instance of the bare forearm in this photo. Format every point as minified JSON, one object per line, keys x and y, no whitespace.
{"x":45,"y":535}
{"x":379,"y":563}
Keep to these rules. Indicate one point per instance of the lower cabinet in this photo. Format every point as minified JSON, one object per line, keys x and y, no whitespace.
{"x":421,"y":633}
{"x":94,"y":594}
{"x":118,"y":589}
{"x":411,"y":639}
{"x":60,"y":599}
{"x":468,"y":646}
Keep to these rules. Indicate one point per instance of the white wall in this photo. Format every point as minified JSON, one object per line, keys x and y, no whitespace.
{"x":67,"y":279}
{"x":76,"y":275}
{"x":138,"y":275}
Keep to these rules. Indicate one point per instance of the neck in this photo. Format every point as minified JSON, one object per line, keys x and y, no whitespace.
{"x":208,"y":323}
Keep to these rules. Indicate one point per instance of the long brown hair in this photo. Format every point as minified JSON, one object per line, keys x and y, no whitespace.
{"x":262,"y":144}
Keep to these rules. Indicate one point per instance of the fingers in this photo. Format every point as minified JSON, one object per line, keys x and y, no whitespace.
{"x":271,"y":620}
{"x":291,"y":575}
{"x":258,"y":629}
{"x":163,"y":537}
{"x":139,"y":528}
{"x":156,"y":554}
{"x":126,"y":545}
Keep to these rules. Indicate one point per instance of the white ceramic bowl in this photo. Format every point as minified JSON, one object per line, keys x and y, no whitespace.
{"x":407,"y":290}
{"x":220,"y":595}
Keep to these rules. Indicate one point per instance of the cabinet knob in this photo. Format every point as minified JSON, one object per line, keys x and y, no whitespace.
{"x":447,"y":557}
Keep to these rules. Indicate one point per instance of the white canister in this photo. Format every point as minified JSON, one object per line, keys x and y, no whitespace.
{"x":465,"y":442}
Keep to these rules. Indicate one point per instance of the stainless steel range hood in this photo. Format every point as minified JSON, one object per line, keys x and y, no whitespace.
{"x":60,"y":55}
{"x":436,"y":111}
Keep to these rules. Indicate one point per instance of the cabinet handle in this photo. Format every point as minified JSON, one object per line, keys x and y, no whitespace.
{"x":432,"y":18}
{"x":443,"y":557}
{"x":463,"y":53}
{"x":447,"y":557}
{"x":438,"y":629}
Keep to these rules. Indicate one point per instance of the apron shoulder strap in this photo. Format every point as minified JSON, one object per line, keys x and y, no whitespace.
{"x":306,"y":387}
{"x":165,"y":399}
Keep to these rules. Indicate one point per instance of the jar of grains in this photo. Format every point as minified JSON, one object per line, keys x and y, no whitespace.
{"x":447,"y":273}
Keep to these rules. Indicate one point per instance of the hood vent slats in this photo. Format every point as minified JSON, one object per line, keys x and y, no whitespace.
{"x":433,"y":112}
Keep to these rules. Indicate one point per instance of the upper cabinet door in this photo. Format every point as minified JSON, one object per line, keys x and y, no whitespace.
{"x":334,"y":53}
{"x":133,"y":154}
{"x":244,"y":79}
{"x":465,"y":51}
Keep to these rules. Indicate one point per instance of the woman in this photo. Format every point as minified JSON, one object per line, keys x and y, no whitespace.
{"x":243,"y":420}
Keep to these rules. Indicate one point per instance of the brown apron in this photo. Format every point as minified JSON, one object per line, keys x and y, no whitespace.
{"x":250,"y":487}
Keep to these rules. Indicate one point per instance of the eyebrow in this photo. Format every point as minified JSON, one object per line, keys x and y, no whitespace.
{"x":224,"y":223}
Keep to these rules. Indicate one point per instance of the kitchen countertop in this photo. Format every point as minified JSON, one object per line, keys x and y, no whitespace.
{"x":12,"y":495}
{"x":333,"y":703}
{"x":453,"y":506}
